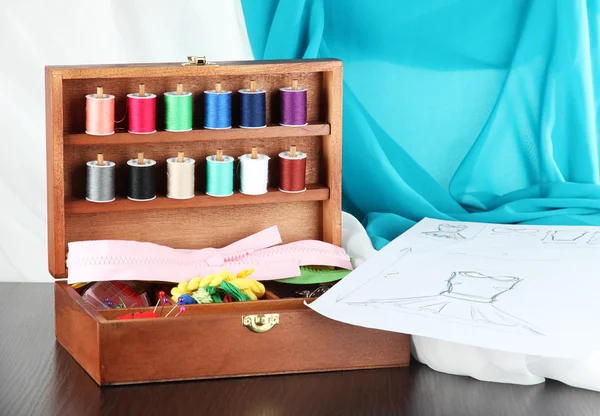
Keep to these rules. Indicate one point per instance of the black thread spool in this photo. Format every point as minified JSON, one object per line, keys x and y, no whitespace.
{"x":142,"y":179}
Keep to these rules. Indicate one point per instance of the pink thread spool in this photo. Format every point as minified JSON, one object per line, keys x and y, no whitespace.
{"x":99,"y":113}
{"x":142,"y":112}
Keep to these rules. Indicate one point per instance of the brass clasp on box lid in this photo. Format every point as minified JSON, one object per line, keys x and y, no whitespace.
{"x":260,"y":323}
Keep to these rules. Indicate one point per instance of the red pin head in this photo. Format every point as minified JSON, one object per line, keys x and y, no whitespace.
{"x":161,"y":296}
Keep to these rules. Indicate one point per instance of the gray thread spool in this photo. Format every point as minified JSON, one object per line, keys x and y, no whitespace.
{"x":100,"y":181}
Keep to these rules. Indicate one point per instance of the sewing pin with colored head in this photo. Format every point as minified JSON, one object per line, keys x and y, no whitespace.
{"x":181,"y":310}
{"x":164,"y":302}
{"x":161,"y":295}
{"x":172,"y":309}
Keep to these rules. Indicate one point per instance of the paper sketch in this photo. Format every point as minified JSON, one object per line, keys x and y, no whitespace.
{"x":565,"y":236}
{"x":469,"y":296}
{"x":595,"y":239}
{"x":514,"y":231}
{"x":449,"y":231}
{"x":517,"y":288}
{"x":400,"y":256}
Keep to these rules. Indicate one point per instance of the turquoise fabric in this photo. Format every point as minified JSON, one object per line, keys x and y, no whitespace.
{"x":455,"y":109}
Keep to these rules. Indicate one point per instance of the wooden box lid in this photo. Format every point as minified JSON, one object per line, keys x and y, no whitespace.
{"x":202,"y":221}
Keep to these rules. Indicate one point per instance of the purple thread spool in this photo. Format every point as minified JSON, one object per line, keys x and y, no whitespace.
{"x":293,"y":105}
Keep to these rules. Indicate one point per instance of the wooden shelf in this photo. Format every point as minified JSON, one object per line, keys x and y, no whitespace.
{"x":82,"y":206}
{"x":236,"y":133}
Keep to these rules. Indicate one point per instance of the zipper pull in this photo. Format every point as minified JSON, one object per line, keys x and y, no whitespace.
{"x":260,"y":240}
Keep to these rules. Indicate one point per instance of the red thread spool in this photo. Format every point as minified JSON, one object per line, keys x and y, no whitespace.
{"x":292,"y":177}
{"x":142,"y":112}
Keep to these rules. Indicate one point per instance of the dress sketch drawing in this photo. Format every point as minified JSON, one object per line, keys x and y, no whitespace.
{"x":595,"y":239}
{"x":448,"y":231}
{"x":565,"y":236}
{"x":514,"y":231}
{"x":469,"y":296}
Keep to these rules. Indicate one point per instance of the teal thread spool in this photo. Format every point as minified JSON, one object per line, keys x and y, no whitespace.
{"x":219,"y":175}
{"x":178,"y":110}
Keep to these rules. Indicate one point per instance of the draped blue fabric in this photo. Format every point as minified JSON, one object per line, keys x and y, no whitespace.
{"x":455,"y":109}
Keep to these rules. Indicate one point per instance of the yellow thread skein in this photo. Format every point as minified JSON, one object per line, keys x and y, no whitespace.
{"x":252,"y":288}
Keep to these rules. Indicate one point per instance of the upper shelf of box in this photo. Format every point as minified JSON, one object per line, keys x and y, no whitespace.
{"x":236,"y":133}
{"x":175,"y":69}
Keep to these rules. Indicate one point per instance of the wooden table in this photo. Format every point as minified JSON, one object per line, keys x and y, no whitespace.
{"x":37,"y":377}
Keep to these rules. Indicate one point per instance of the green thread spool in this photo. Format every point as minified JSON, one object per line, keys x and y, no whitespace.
{"x":178,"y":111}
{"x":219,"y":175}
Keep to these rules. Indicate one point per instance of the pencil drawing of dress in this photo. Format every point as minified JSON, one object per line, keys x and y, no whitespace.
{"x":469,"y":296}
{"x":448,"y":231}
{"x":565,"y":236}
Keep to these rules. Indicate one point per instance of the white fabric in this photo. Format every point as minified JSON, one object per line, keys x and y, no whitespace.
{"x":38,"y":33}
{"x":481,"y":363}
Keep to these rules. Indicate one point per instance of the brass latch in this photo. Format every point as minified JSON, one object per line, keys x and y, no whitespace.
{"x":260,"y":323}
{"x":197,"y":61}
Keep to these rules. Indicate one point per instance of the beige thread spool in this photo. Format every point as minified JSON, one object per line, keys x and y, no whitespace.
{"x":180,"y":177}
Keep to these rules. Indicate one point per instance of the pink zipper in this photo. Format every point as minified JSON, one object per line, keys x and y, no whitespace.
{"x":104,"y":260}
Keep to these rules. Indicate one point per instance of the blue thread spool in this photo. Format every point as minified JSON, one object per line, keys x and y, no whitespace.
{"x":253,"y":107}
{"x":219,"y":175}
{"x":217,"y":108}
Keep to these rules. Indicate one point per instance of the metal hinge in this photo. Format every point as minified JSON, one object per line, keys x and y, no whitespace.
{"x":197,"y":61}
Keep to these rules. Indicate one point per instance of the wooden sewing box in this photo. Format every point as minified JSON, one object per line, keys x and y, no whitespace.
{"x":214,"y":340}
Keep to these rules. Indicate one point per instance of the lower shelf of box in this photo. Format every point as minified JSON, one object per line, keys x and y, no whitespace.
{"x":270,"y":303}
{"x":82,"y":206}
{"x":261,"y":306}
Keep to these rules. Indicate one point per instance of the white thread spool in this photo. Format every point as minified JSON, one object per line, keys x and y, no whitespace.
{"x":180,"y":177}
{"x":254,"y":174}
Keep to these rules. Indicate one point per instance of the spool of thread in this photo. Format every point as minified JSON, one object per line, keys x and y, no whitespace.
{"x":100,"y":181}
{"x":254,"y":173}
{"x":178,"y":110}
{"x":293,"y":105}
{"x":100,"y":113}
{"x":180,"y":177}
{"x":253,"y":107}
{"x":219,"y":175}
{"x":292,"y":177}
{"x":142,"y":112}
{"x":142,"y":179}
{"x":217,"y":108}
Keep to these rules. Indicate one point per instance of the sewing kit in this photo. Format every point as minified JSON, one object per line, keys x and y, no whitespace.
{"x":177,"y":194}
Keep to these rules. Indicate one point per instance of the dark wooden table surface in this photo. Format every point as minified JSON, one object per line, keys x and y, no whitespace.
{"x":37,"y":377}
